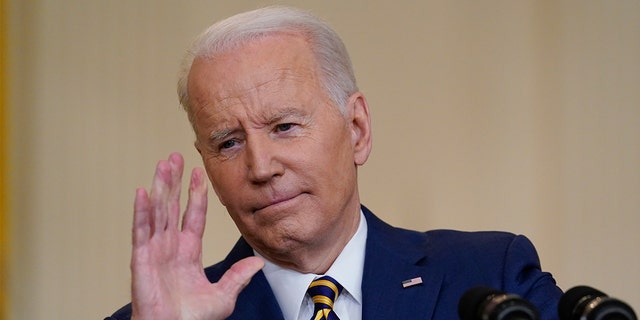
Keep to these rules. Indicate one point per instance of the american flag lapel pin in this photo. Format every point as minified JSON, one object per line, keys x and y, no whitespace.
{"x":412,"y":282}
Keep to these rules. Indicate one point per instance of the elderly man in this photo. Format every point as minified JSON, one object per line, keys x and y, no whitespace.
{"x":282,"y":128}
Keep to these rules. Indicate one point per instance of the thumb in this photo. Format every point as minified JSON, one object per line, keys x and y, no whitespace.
{"x":239,"y":275}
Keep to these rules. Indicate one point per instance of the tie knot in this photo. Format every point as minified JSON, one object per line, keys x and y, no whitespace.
{"x":324,"y":291}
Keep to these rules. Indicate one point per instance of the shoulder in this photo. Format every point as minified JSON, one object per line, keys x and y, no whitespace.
{"x":476,"y":245}
{"x":470,"y":240}
{"x":442,"y":243}
{"x":479,"y":247}
{"x":123,"y":313}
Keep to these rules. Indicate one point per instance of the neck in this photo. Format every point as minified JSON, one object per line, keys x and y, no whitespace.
{"x":318,"y":257}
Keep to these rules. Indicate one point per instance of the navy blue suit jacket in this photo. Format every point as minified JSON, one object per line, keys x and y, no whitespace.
{"x":449,"y":262}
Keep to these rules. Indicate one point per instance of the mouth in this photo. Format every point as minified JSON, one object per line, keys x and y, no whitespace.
{"x":280,"y":202}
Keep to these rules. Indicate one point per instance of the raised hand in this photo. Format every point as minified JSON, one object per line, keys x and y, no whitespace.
{"x":168,"y":281}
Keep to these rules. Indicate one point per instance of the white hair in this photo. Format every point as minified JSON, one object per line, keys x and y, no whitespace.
{"x":336,"y":72}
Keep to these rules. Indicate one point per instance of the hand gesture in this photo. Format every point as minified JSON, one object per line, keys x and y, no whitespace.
{"x":168,"y":281}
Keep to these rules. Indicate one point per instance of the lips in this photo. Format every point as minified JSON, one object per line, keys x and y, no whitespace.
{"x":276,"y":202}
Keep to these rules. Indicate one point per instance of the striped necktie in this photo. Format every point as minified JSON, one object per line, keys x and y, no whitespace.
{"x":324,"y":291}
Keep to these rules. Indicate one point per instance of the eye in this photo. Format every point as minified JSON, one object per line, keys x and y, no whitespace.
{"x":284,"y":127}
{"x":228,"y":144}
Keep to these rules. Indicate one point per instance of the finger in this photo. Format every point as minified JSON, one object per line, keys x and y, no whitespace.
{"x":159,"y":195}
{"x":141,"y":218}
{"x":176,"y":163}
{"x":195,"y":215}
{"x":239,"y":275}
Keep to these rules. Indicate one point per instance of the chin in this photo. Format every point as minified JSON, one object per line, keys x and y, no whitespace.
{"x":286,"y":241}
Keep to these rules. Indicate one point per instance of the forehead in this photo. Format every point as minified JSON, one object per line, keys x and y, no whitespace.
{"x":273,"y":64}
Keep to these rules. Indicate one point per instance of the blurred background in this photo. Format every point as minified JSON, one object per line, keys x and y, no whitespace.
{"x":487,"y":115}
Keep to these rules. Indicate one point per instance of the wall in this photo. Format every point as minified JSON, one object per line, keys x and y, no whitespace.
{"x":509,"y":115}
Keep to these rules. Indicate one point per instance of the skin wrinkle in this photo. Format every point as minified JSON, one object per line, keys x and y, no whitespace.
{"x":291,"y":192}
{"x":223,"y":102}
{"x":218,"y":135}
{"x":230,"y":48}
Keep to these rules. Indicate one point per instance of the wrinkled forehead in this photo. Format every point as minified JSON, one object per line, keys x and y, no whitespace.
{"x":282,"y":62}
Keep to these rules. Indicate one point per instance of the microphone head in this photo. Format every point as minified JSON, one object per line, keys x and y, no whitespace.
{"x":471,"y":301}
{"x":488,"y":303}
{"x":586,"y":303}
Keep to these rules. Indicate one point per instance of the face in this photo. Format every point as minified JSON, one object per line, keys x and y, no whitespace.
{"x":280,"y":155}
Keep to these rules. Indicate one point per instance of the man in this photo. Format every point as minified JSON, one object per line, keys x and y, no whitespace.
{"x":282,"y":128}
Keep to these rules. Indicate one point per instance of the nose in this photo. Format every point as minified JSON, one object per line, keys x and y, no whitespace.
{"x":262,"y":159}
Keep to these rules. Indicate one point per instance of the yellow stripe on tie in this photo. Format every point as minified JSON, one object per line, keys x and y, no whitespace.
{"x":323,"y":299}
{"x":325,"y":283}
{"x":324,"y":291}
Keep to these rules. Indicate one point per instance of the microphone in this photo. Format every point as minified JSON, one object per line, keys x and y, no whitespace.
{"x":484,"y":303}
{"x":586,"y":303}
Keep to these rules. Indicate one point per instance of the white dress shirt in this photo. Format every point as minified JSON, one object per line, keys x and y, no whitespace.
{"x":290,"y":287}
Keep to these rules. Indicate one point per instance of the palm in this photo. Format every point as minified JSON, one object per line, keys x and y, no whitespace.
{"x":168,"y":281}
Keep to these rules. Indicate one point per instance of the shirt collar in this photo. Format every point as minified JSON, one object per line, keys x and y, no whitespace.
{"x":290,"y":286}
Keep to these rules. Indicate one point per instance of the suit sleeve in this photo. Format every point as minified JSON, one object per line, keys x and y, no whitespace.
{"x":123,"y":314}
{"x":524,"y":276}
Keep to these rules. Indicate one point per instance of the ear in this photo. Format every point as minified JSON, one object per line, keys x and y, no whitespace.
{"x":360,"y":120}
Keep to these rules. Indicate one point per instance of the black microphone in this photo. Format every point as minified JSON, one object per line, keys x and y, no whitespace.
{"x":586,"y":303}
{"x":484,"y":303}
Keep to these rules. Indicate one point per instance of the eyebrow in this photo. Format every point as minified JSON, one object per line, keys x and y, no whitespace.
{"x":218,"y":135}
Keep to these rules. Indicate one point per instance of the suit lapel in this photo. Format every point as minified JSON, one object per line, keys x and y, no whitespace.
{"x":393,"y":256}
{"x":256,"y":300}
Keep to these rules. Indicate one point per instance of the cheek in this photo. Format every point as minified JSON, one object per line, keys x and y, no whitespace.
{"x":221,"y":181}
{"x":217,"y":188}
{"x":337,"y":154}
{"x":335,"y":165}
